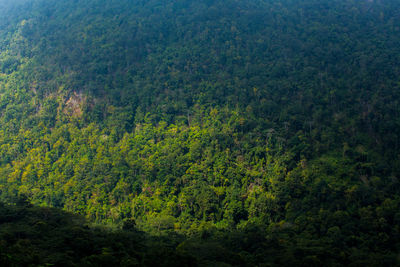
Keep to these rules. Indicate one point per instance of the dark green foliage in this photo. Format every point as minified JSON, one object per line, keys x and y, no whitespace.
{"x":31,"y":236}
{"x":241,"y":132}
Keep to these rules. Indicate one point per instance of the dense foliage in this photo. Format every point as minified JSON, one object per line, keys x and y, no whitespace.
{"x":265,"y":129}
{"x":32,"y":236}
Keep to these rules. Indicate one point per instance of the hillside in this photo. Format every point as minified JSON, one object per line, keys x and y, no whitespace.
{"x":269,"y":129}
{"x":42,"y":236}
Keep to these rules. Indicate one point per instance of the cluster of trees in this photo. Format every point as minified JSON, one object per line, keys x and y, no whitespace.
{"x":41,"y":236}
{"x":266,"y":131}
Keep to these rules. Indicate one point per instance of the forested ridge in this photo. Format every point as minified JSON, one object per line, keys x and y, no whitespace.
{"x":252,"y":132}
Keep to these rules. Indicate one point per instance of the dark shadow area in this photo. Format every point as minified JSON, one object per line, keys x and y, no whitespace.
{"x":42,"y":236}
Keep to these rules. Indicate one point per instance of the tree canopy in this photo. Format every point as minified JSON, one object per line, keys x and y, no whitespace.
{"x":264,"y":131}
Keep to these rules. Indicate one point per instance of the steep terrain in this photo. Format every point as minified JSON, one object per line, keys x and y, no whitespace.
{"x":269,"y":129}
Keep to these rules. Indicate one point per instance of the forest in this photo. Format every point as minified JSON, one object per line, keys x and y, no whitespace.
{"x":200,"y":133}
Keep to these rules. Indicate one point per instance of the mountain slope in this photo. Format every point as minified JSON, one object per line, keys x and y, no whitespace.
{"x":195,"y":117}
